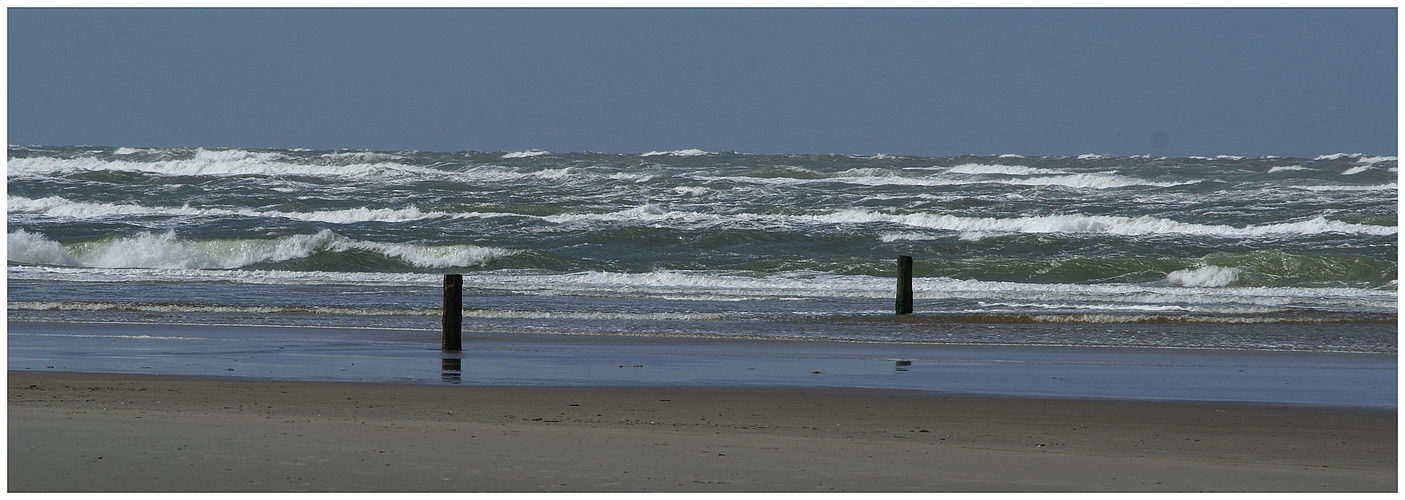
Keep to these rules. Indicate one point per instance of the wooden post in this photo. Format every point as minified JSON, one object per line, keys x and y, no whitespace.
{"x":453,"y":312}
{"x":904,"y":305}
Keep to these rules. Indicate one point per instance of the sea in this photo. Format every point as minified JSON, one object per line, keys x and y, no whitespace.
{"x":1214,"y":252}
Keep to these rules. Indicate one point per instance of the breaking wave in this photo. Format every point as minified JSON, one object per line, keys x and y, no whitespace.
{"x":978,"y":169}
{"x":58,"y":207}
{"x":680,"y":152}
{"x":1207,"y":276}
{"x":1102,"y":224}
{"x":225,"y":163}
{"x":169,"y":251}
{"x":526,"y":154}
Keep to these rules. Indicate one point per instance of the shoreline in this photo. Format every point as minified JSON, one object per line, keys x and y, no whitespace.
{"x":181,"y":433}
{"x":400,"y":356}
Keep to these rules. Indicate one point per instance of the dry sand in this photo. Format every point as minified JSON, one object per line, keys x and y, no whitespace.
{"x":97,"y":432}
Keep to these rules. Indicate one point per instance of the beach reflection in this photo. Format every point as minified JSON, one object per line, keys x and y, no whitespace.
{"x":451,"y":370}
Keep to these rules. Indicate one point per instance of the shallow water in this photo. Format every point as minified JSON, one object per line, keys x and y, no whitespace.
{"x":371,"y":355}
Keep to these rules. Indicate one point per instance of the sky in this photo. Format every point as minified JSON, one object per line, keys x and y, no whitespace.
{"x":919,"y":81}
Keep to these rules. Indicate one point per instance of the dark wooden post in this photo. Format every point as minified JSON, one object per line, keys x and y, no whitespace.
{"x":453,"y":312}
{"x":904,"y":304}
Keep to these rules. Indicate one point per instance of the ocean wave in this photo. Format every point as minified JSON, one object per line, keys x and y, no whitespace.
{"x":526,"y":154}
{"x":169,"y":251}
{"x":980,"y":169}
{"x":972,"y":228}
{"x":200,"y":308}
{"x":1202,"y":297}
{"x":359,"y":158}
{"x":1287,"y":168}
{"x":1100,"y":224}
{"x":224,"y":163}
{"x":1377,"y":187}
{"x":1360,"y":158}
{"x":1375,"y":159}
{"x":880,"y":177}
{"x":249,"y":276}
{"x":1092,"y":181}
{"x":680,"y":152}
{"x":1205,"y":276}
{"x":59,"y":207}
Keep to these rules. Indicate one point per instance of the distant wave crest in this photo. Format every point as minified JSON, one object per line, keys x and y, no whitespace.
{"x":169,"y":251}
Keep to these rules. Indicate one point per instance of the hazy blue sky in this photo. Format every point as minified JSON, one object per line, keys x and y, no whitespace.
{"x":895,"y":81}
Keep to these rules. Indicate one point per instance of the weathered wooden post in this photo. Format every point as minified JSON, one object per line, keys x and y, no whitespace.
{"x":904,"y":304}
{"x":453,"y":312}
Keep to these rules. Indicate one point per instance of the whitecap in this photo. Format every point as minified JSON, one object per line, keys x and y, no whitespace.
{"x":908,"y":236}
{"x":691,"y":190}
{"x":1378,"y":187}
{"x":680,"y":152}
{"x":1205,"y":276}
{"x":1098,"y":224}
{"x":1091,"y":181}
{"x":1288,"y":168}
{"x":169,"y":251}
{"x":526,"y":154}
{"x":221,"y":163}
{"x":1356,"y":170}
{"x":58,"y":207}
{"x":980,"y":169}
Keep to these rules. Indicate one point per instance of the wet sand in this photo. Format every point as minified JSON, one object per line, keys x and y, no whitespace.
{"x":104,"y":432}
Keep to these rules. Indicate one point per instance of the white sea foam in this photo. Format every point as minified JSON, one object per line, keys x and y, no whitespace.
{"x":59,"y":207}
{"x":198,"y":308}
{"x":1360,"y":158}
{"x":1288,"y":168}
{"x":880,"y":177}
{"x":360,"y":157}
{"x":691,"y":190}
{"x":1371,"y":160}
{"x":1206,"y":276}
{"x":24,"y":246}
{"x":1091,"y":156}
{"x":680,"y":152}
{"x":1090,"y":181}
{"x":126,"y":151}
{"x":972,"y":228}
{"x":169,"y":251}
{"x":1010,"y":155}
{"x":220,"y":163}
{"x":1356,"y":170}
{"x":1377,"y":187}
{"x":908,"y":236}
{"x":526,"y":154}
{"x":978,"y":169}
{"x":1198,"y":295}
{"x":1100,"y":224}
{"x":649,"y":214}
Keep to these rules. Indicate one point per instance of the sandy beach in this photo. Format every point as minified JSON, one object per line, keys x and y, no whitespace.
{"x":104,"y":432}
